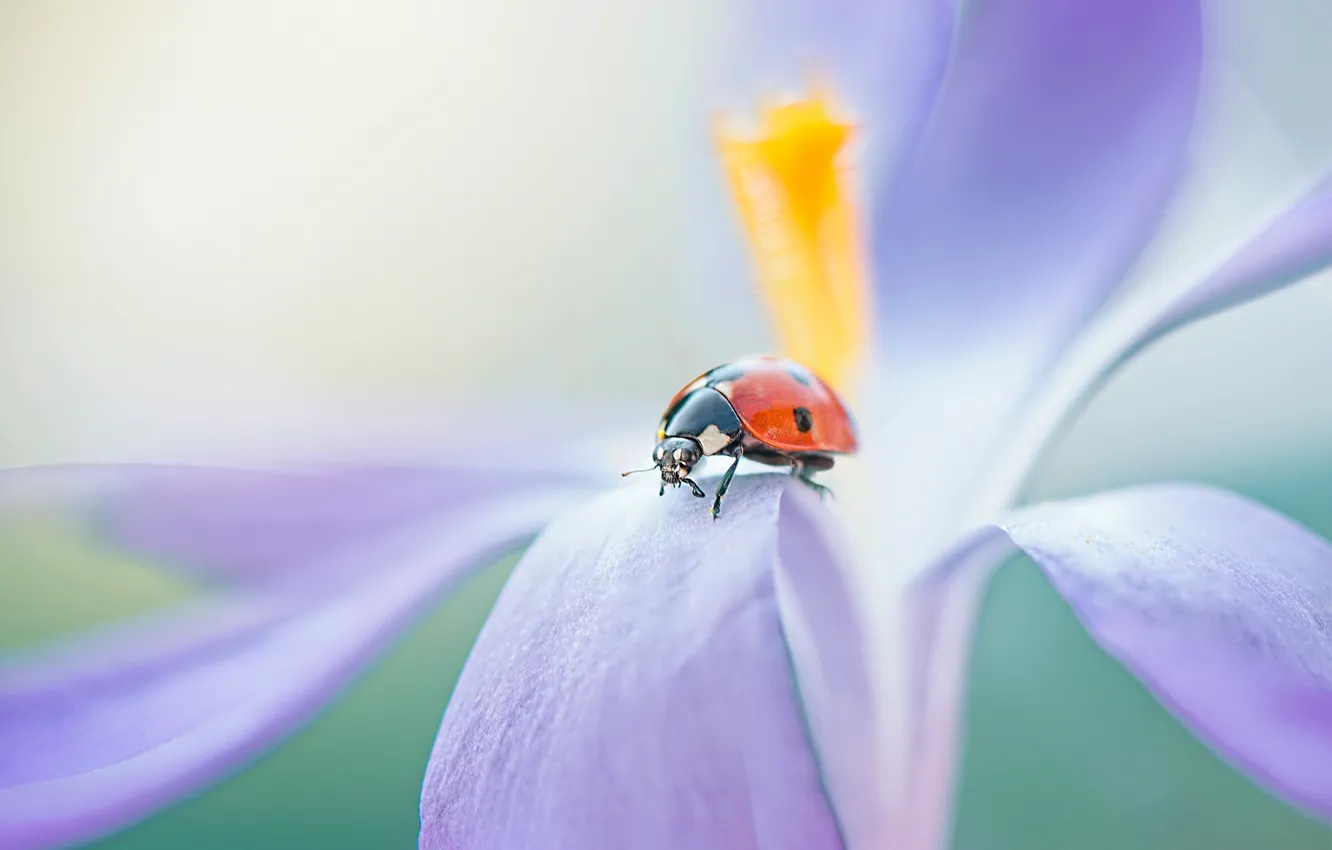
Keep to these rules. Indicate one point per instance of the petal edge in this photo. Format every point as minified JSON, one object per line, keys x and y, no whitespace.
{"x":100,"y":736}
{"x":1221,"y":607}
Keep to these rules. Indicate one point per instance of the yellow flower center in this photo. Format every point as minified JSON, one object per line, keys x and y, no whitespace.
{"x":795,"y":198}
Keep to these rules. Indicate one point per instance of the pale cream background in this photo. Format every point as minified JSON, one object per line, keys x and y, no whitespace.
{"x":214,"y":217}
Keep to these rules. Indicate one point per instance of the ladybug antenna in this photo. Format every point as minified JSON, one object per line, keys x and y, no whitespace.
{"x":645,"y":469}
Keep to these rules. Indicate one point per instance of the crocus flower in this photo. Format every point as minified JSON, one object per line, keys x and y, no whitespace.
{"x":781,"y":678}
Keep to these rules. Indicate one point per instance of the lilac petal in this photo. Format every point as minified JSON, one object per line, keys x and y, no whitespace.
{"x":1295,"y":245}
{"x":1221,"y":607}
{"x":1055,"y":143}
{"x":101,"y":734}
{"x":633,"y":687}
{"x":247,"y":526}
{"x":1053,"y":149}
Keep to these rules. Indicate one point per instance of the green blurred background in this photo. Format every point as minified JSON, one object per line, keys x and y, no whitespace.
{"x":228,"y":230}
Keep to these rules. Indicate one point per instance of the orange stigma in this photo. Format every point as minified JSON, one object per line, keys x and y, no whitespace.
{"x":794,"y":193}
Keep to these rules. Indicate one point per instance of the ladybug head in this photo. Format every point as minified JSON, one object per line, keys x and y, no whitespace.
{"x":676,"y":456}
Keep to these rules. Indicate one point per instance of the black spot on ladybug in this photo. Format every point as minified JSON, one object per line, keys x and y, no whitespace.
{"x":804,"y":421}
{"x":800,"y":375}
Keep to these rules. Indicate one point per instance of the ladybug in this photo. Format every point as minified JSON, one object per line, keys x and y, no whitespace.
{"x":768,"y":409}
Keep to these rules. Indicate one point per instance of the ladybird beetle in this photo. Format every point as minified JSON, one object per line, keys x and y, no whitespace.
{"x":768,"y":409}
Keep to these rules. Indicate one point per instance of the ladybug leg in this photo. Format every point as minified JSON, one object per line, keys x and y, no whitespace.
{"x":798,"y":470}
{"x":824,"y":492}
{"x":697,"y":490}
{"x":726,"y":481}
{"x":661,"y":491}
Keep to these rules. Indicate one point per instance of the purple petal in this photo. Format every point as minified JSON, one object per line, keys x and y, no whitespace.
{"x":1221,"y":607}
{"x":633,"y":687}
{"x":101,"y":734}
{"x":1053,"y":149}
{"x":1055,"y":143}
{"x":249,"y":526}
{"x":1297,"y":244}
{"x":1293,"y":247}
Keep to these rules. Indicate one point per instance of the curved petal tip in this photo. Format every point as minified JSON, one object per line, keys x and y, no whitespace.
{"x":1221,"y":607}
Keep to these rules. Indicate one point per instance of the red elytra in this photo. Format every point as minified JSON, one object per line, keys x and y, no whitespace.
{"x":765,"y":392}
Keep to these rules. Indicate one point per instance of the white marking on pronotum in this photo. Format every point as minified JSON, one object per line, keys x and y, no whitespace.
{"x":679,"y":455}
{"x":713,"y":440}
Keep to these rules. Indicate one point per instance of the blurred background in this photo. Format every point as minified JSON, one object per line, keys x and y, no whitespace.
{"x":251,"y":225}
